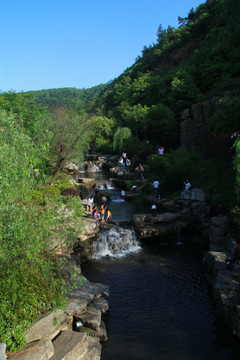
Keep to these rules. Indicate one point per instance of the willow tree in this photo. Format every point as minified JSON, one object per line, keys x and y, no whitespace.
{"x":121,"y":136}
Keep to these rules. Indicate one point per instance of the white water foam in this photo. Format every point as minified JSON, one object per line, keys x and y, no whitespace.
{"x":115,"y":243}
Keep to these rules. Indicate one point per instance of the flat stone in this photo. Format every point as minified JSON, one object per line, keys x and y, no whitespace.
{"x":101,"y":304}
{"x":91,"y":318}
{"x":47,"y":326}
{"x":2,"y":351}
{"x":79,"y":298}
{"x":71,"y":345}
{"x":101,"y":333}
{"x":100,"y":289}
{"x":37,"y":350}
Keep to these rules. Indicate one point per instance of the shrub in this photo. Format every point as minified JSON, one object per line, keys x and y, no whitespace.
{"x":70,"y":192}
{"x":174,"y":168}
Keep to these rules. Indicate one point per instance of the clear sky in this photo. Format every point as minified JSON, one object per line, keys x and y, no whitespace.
{"x":47,"y":44}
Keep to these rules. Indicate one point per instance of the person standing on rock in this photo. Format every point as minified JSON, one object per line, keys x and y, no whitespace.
{"x":141,"y":168}
{"x":102,"y":212}
{"x":122,"y":194}
{"x":187,"y":185}
{"x":156,"y":185}
{"x":127,"y":163}
{"x":120,"y":163}
{"x":90,"y":203}
{"x":154,"y":210}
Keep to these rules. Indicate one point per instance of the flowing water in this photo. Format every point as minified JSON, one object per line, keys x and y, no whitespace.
{"x":160,"y":304}
{"x":160,"y":307}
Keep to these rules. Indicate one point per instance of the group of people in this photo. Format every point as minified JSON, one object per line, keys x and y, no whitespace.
{"x":104,"y":214}
{"x":139,"y":171}
{"x":124,"y":162}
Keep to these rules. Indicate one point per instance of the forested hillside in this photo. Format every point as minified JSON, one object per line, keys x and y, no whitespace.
{"x":76,"y":99}
{"x":198,"y":60}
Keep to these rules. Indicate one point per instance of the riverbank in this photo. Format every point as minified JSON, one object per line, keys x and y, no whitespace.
{"x":170,"y":224}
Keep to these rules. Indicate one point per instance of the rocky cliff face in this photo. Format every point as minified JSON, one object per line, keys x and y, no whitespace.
{"x":194,"y":124}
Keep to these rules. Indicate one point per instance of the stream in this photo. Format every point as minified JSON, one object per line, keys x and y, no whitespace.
{"x":160,"y":304}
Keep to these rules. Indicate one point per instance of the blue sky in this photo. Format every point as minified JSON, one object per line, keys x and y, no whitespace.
{"x":47,"y":44}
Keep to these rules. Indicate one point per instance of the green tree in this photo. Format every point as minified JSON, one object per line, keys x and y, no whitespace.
{"x":121,"y":137}
{"x":162,"y":126}
{"x":71,"y":138}
{"x":226,"y":117}
{"x":31,"y":281}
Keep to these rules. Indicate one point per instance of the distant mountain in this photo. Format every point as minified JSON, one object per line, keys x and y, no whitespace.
{"x":76,"y":99}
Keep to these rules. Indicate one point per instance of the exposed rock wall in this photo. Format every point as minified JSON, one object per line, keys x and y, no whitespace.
{"x":194,"y":123}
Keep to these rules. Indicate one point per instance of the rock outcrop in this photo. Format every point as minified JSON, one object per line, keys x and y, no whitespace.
{"x":225,"y":282}
{"x":164,"y":225}
{"x":60,"y":334}
{"x":194,"y":123}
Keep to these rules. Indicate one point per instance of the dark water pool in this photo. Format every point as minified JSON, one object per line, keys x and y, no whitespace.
{"x":160,"y":307}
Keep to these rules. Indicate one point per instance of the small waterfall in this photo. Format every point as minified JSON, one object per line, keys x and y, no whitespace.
{"x":115,"y":242}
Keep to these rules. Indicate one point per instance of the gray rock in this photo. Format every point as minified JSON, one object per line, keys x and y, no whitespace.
{"x":2,"y":351}
{"x":198,"y":208}
{"x":71,"y":345}
{"x":91,"y":318}
{"x":198,"y":195}
{"x":101,"y":304}
{"x":102,"y":333}
{"x":47,"y":326}
{"x":88,"y":182}
{"x":79,"y":298}
{"x":100,"y":289}
{"x":89,"y":230}
{"x":37,"y":350}
{"x":185,"y":195}
{"x":225,"y":281}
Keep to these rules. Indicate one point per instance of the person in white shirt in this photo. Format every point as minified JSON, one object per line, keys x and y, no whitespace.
{"x":90,"y":203}
{"x":187,"y":185}
{"x":122,"y":194}
{"x":156,"y":185}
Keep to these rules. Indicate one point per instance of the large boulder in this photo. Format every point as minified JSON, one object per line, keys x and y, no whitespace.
{"x":47,"y":326}
{"x":37,"y":350}
{"x":81,"y":294}
{"x":89,"y":229}
{"x":91,"y":317}
{"x":165,"y":224}
{"x":88,"y":182}
{"x":194,"y":194}
{"x":71,"y":345}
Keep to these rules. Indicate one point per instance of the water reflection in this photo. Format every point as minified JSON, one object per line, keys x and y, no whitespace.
{"x":160,"y":307}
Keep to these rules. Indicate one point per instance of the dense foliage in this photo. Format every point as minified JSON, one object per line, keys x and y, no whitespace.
{"x":31,"y":276}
